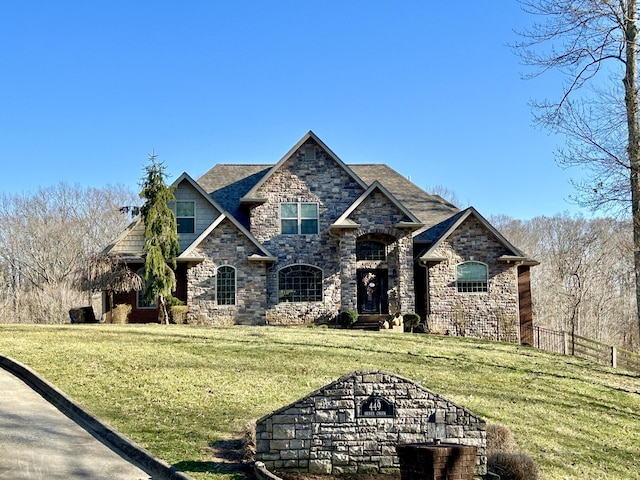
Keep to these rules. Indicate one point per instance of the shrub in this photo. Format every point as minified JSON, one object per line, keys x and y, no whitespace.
{"x":500,"y":439}
{"x":512,"y":466}
{"x":348,"y":318}
{"x":411,"y":320}
{"x":178,"y":314}
{"x":120,"y":314}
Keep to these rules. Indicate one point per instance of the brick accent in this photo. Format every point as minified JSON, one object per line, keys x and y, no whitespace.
{"x":436,"y":462}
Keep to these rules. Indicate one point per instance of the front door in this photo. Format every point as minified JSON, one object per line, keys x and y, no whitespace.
{"x":372,"y":292}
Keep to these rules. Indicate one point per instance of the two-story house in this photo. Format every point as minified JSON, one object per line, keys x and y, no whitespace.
{"x":305,"y":238}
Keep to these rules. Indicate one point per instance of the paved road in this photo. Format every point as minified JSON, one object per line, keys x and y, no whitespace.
{"x":37,"y":441}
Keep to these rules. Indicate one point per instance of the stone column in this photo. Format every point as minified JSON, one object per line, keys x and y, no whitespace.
{"x":406,"y":287}
{"x":348,"y":280}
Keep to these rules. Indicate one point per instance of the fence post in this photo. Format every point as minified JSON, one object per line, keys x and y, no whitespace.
{"x":614,"y":357}
{"x":565,"y":343}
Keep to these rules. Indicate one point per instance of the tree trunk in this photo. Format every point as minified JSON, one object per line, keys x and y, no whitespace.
{"x":164,"y":314}
{"x":631,"y":103}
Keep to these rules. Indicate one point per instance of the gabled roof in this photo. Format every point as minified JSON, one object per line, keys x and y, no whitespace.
{"x":430,"y":209}
{"x":133,"y":254}
{"x":446,"y":228}
{"x":413,"y":223}
{"x":252,"y":197}
{"x":188,"y":252}
{"x":227,"y":184}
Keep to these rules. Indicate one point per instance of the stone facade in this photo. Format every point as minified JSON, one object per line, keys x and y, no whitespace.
{"x":238,"y":224}
{"x":492,"y":314}
{"x":228,"y":248}
{"x":354,"y":424}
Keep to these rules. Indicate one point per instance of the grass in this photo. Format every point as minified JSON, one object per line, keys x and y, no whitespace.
{"x":180,"y":390}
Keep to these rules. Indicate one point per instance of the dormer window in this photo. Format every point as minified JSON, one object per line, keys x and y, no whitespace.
{"x":186,"y":216}
{"x":299,"y":218}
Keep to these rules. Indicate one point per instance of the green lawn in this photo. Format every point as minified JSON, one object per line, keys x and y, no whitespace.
{"x":177,"y":390}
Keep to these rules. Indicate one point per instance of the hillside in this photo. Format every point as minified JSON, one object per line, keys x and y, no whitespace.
{"x":179,"y":391}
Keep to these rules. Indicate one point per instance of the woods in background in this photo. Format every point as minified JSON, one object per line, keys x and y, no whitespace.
{"x":585,"y":282}
{"x":45,"y":237}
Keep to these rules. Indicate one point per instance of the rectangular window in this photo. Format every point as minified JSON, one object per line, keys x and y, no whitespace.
{"x":299,"y":218}
{"x":186,"y":217}
{"x":472,"y":277}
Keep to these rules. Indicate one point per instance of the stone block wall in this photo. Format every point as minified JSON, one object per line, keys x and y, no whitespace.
{"x":354,"y":424}
{"x":229,"y":246}
{"x":309,"y":175}
{"x":493,"y":314}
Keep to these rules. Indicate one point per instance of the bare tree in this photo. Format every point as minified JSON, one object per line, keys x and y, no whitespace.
{"x":45,"y":237}
{"x":591,"y":41}
{"x":446,"y":194}
{"x":585,"y":280}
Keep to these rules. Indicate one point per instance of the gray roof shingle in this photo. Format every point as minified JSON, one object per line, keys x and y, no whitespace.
{"x":228,"y":183}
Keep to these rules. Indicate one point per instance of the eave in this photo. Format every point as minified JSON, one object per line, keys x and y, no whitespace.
{"x":413,"y":226}
{"x":253,"y":200}
{"x":255,"y":258}
{"x":526,"y":261}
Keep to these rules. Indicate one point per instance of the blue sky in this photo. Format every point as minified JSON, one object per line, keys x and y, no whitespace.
{"x":89,"y":88}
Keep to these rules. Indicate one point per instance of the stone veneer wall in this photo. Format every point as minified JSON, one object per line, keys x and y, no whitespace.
{"x":491,"y":315}
{"x":229,"y":246}
{"x":327,"y":432}
{"x":315,"y":180}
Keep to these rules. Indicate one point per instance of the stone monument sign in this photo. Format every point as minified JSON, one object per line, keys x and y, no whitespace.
{"x":354,"y":424}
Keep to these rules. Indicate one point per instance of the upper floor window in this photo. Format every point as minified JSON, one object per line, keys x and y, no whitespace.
{"x":371,"y":250}
{"x":226,"y":285}
{"x":186,"y":216}
{"x":472,"y":277}
{"x":299,"y":218}
{"x":300,"y":283}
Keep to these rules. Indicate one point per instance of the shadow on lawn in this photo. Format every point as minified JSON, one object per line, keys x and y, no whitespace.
{"x":228,"y":458}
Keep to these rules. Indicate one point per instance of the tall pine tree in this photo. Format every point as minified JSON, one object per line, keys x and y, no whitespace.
{"x":160,"y":237}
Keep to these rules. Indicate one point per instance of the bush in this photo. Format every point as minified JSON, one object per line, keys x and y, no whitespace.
{"x":178,"y":314}
{"x":120,"y":314}
{"x":512,"y":466}
{"x":500,"y":439}
{"x":411,"y":320}
{"x":348,"y":318}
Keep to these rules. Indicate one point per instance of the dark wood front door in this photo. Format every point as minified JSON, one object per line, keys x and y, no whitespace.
{"x":372,"y":292}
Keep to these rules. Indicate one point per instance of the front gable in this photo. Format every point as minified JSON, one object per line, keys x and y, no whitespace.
{"x":470,"y":232}
{"x":205,"y":210}
{"x":308,"y":148}
{"x":308,"y":173}
{"x":129,"y":243}
{"x":377,"y":209}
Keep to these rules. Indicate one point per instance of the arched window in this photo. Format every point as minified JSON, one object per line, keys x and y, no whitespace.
{"x":141,"y":303}
{"x":371,"y":250}
{"x":472,"y":277}
{"x":226,"y":285}
{"x":300,"y":283}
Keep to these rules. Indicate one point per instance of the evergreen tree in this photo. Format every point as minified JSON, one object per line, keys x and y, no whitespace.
{"x":160,"y":237}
